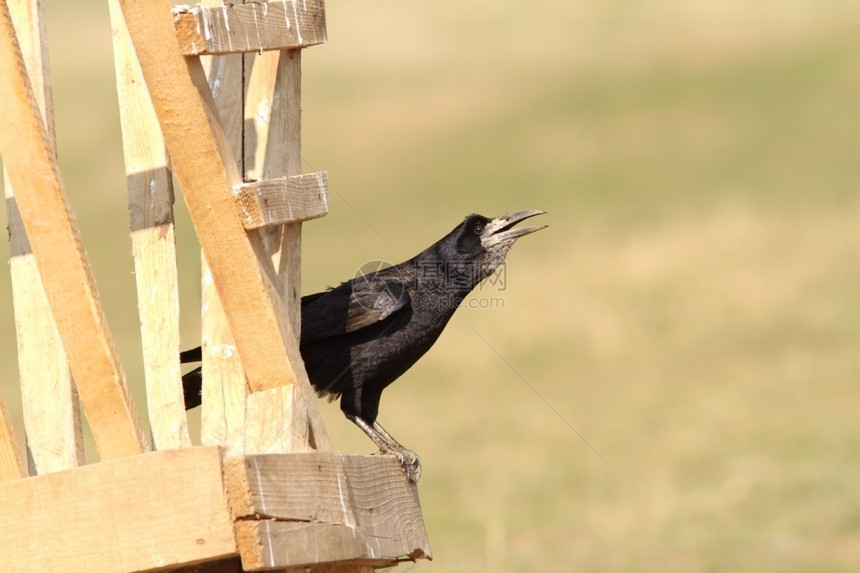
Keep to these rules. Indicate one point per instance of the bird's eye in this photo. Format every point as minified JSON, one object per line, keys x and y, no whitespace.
{"x":479,"y":228}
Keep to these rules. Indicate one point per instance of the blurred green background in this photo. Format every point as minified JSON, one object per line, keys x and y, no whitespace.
{"x":693,"y":311}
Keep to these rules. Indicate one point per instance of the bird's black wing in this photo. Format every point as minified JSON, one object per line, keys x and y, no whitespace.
{"x":351,"y":306}
{"x":192,"y":355}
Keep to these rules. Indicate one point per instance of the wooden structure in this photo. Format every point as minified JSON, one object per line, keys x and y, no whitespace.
{"x":210,"y":93}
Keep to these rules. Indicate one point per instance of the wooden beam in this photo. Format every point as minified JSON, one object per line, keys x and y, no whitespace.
{"x":31,"y":164}
{"x":207,"y":172}
{"x":50,"y":404}
{"x":153,"y":511}
{"x":150,"y":201}
{"x":250,"y":27}
{"x":283,"y":200}
{"x":367,"y":494}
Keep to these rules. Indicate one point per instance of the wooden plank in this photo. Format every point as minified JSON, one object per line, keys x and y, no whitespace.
{"x":367,"y":493}
{"x":50,"y":405}
{"x":289,"y":487}
{"x":249,"y":27}
{"x":273,"y":545}
{"x":386,"y":508}
{"x":150,"y":198}
{"x":283,"y":200}
{"x":158,"y":510}
{"x":31,"y":164}
{"x":259,"y":100}
{"x":12,"y":464}
{"x":207,"y":172}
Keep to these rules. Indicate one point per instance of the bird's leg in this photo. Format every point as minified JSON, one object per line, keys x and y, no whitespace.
{"x":408,"y":459}
{"x":388,"y":445}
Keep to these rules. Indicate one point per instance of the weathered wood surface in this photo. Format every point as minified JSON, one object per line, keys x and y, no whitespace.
{"x":316,"y":490}
{"x":50,"y":405}
{"x":249,"y":27}
{"x":269,"y":544}
{"x":150,"y":199}
{"x":152,"y":511}
{"x":283,"y":200}
{"x":207,"y":172}
{"x":31,"y":164}
{"x":368,"y":494}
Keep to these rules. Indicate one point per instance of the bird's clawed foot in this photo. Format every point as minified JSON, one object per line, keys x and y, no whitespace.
{"x":388,"y":445}
{"x":411,"y":464}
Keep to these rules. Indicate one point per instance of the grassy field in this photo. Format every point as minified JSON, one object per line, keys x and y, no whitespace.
{"x":671,"y":382}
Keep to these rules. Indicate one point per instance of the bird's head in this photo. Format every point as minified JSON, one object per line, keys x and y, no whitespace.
{"x":486,"y":241}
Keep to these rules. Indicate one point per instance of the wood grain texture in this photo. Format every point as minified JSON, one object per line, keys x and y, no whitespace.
{"x":249,"y":27}
{"x":207,"y":171}
{"x":283,"y":200}
{"x":368,"y":494}
{"x":157,"y":510}
{"x":273,"y":545}
{"x":31,"y":165}
{"x":150,"y":200}
{"x":50,"y":405}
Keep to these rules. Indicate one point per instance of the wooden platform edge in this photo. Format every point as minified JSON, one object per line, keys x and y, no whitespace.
{"x":190,"y":506}
{"x":361,"y":507}
{"x":146,"y":512}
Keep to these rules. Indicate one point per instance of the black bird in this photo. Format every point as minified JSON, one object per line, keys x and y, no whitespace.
{"x":359,"y":337}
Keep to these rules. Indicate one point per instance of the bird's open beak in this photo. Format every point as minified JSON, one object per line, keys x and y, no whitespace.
{"x":500,"y":230}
